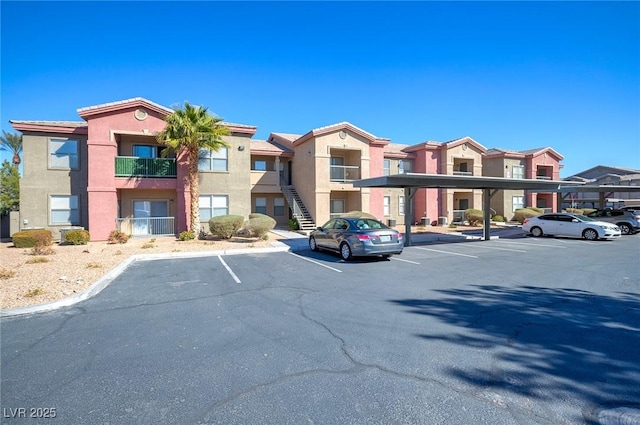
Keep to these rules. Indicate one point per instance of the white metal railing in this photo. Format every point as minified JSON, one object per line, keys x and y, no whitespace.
{"x":543,"y":178}
{"x":147,"y":226}
{"x":462,"y":173}
{"x":344,"y":173}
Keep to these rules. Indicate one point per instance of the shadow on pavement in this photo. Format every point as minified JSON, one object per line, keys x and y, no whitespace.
{"x":549,"y":343}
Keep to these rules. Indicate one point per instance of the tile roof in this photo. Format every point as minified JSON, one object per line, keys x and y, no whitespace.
{"x":123,"y":102}
{"x":51,"y":123}
{"x":263,"y":145}
{"x":288,"y":136}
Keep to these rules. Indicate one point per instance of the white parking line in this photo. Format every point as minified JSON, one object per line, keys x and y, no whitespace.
{"x":233,"y":275}
{"x":528,"y":244}
{"x":445,"y":252}
{"x":315,"y":262}
{"x":406,"y":261}
{"x":481,"y":245}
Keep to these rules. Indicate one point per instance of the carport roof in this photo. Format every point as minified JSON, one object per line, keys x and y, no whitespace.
{"x":445,"y":181}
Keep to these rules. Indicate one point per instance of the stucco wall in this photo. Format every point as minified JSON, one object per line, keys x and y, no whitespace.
{"x":39,"y":181}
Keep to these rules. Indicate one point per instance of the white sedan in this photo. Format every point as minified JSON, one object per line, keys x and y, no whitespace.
{"x":571,"y":225}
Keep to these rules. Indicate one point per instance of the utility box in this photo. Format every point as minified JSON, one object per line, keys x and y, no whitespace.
{"x":391,"y":222}
{"x":426,"y":221}
{"x":443,"y":221}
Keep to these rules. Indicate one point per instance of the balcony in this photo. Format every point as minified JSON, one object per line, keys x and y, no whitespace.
{"x":344,"y":173}
{"x":462,"y":173}
{"x":130,"y":166}
{"x":543,"y":178}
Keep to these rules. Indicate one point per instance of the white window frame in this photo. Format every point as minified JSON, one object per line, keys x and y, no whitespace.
{"x":57,"y":207}
{"x":278,"y":207}
{"x":401,"y":205}
{"x":520,"y":171}
{"x":214,"y":205}
{"x":216,"y":161}
{"x":260,"y":205}
{"x":402,"y":166}
{"x":387,"y":205}
{"x":55,"y":157}
{"x":517,"y":204}
{"x":386,"y":167}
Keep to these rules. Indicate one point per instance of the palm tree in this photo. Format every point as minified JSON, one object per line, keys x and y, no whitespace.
{"x":188,"y":130}
{"x":12,"y":143}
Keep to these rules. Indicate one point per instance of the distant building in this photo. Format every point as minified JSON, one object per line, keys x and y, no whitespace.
{"x":603,"y":175}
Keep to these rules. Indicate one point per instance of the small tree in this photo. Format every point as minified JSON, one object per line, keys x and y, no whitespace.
{"x":13,"y":144}
{"x":9,"y":188}
{"x":188,"y":131}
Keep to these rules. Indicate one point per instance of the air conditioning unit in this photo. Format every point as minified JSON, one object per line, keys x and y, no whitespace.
{"x":64,"y":230}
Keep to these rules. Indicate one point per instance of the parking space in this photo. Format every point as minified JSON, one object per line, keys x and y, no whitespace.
{"x":522,"y":330}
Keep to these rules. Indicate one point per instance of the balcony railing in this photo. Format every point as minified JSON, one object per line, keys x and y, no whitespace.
{"x":344,"y":173}
{"x":131,"y":166}
{"x":147,"y":226}
{"x":462,"y":173}
{"x":543,"y":178}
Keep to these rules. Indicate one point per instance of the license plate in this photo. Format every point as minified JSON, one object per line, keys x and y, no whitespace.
{"x":385,"y":238}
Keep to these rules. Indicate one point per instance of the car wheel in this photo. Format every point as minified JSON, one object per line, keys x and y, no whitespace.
{"x":313,"y":245}
{"x":590,"y":234}
{"x":624,"y":228}
{"x":345,"y":251}
{"x":536,"y":231}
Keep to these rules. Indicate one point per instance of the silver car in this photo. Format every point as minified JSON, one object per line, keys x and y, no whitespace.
{"x":627,"y":221}
{"x":357,"y":237}
{"x":571,"y":225}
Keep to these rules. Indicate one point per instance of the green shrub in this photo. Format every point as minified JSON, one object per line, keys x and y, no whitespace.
{"x":536,"y":209}
{"x":498,"y":218}
{"x":575,"y":210}
{"x":259,"y":225}
{"x":187,"y":235}
{"x":473,"y":216}
{"x":31,"y":238}
{"x":293,"y":224}
{"x":586,"y":211}
{"x":225,"y":226}
{"x":116,"y":236}
{"x":77,"y":237}
{"x":523,"y":213}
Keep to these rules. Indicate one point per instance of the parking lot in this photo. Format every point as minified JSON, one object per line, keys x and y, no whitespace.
{"x":509,"y":331}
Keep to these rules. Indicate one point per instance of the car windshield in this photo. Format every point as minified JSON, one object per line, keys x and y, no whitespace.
{"x":583,"y":217}
{"x":369,"y":223}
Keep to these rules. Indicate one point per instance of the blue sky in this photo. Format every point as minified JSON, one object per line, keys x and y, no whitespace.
{"x":512,"y":75}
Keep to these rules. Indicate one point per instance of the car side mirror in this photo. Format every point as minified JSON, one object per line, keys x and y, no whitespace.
{"x":319,"y":228}
{"x":575,"y":220}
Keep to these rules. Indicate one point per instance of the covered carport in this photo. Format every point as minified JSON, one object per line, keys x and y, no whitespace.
{"x":411,"y":182}
{"x":602,"y":191}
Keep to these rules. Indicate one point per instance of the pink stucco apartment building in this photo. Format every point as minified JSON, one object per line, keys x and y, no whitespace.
{"x":106,"y":172}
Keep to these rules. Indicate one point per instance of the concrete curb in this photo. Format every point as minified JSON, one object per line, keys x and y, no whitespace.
{"x":105,"y":280}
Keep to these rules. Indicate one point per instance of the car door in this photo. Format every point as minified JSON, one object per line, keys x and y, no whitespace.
{"x":322,"y":235}
{"x":568,"y":227}
{"x":334,"y":234}
{"x":548,"y":224}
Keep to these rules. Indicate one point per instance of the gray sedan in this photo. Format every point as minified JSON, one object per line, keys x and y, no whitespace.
{"x":357,"y":237}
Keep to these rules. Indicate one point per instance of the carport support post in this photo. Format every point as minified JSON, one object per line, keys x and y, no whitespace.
{"x":486,"y":212}
{"x":409,"y":193}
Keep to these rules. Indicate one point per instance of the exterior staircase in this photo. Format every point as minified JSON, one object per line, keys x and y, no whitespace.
{"x":300,"y":212}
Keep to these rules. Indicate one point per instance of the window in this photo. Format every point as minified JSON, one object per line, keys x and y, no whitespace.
{"x":401,"y":205}
{"x":278,"y":206}
{"x":518,"y":172}
{"x":404,"y":166}
{"x":518,"y":201}
{"x":336,"y":206}
{"x":386,"y":166}
{"x":64,"y":209}
{"x":387,"y":202}
{"x":213,"y":160}
{"x":145,"y":151}
{"x":260,"y":165}
{"x":213,"y":206}
{"x":64,"y":153}
{"x":261,"y":206}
